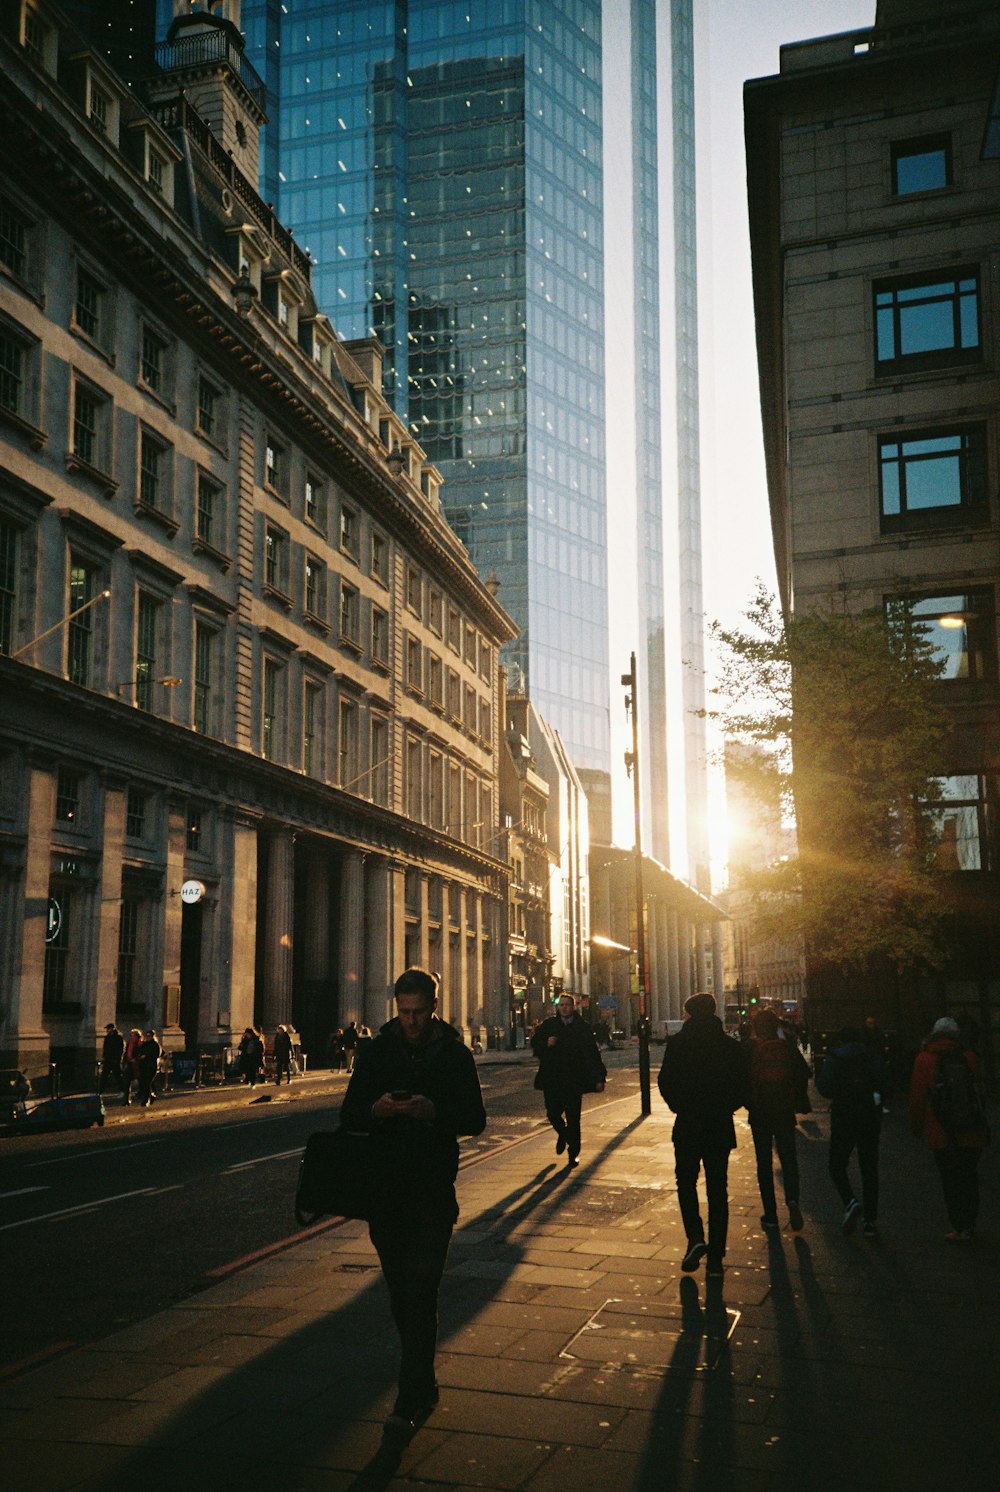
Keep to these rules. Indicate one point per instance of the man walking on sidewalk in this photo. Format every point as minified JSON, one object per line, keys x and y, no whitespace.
{"x":947,"y":1108}
{"x":779,"y":1079}
{"x":415,"y":1086}
{"x":704,"y":1080}
{"x":569,"y":1065}
{"x":853,"y":1078}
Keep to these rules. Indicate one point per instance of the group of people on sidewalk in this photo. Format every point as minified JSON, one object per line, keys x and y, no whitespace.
{"x":130,"y":1061}
{"x":415,"y":1087}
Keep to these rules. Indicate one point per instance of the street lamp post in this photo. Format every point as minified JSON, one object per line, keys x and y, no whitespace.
{"x":632,"y":766}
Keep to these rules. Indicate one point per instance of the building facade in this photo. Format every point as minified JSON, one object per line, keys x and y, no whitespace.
{"x":874,"y":188}
{"x":463,"y":176}
{"x":249,"y":675}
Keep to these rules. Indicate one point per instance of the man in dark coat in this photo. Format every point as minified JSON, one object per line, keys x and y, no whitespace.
{"x":852,"y":1078}
{"x":283,"y":1052}
{"x":111,"y":1056}
{"x":416,"y":1086}
{"x":704,"y":1079}
{"x":569,"y":1065}
{"x":956,"y":1142}
{"x":779,"y":1079}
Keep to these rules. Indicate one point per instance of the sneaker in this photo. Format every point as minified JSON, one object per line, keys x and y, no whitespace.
{"x":560,"y":1144}
{"x":572,"y":1160}
{"x":869,"y":1229}
{"x":852,"y":1216}
{"x":795,"y":1218}
{"x":696,"y":1252}
{"x":959,"y":1235}
{"x":769,"y":1224}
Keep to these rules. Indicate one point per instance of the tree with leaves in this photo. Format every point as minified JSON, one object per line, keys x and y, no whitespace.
{"x":838,"y":713}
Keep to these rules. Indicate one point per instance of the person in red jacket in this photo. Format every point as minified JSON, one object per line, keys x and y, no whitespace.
{"x":955,"y":1142}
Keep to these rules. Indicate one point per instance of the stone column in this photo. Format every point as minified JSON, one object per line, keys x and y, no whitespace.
{"x":25,"y":1041}
{"x":109,"y":908}
{"x":385,"y":937}
{"x":237,"y":913}
{"x":460,"y":990}
{"x":674,"y":1002}
{"x":351,"y":918}
{"x":274,"y":1001}
{"x":718,"y":971}
{"x":700,"y":961}
{"x":423,"y":932}
{"x":316,"y":935}
{"x":684,"y":953}
{"x":173,"y":911}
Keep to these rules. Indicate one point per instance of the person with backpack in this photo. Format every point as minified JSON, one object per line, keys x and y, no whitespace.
{"x":947,"y":1108}
{"x":852,"y":1078}
{"x":779,"y":1078}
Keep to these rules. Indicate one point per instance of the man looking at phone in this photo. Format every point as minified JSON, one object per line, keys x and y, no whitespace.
{"x":417,"y":1088}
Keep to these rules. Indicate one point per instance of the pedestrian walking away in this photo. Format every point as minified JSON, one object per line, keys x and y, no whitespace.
{"x":852,"y":1078}
{"x":112,"y":1055}
{"x":282,"y":1055}
{"x":251,"y":1055}
{"x":947,"y":1109}
{"x":349,"y":1043}
{"x":779,"y":1081}
{"x":704,"y":1079}
{"x":130,"y":1063}
{"x":569,"y":1065}
{"x":415,"y":1089}
{"x":148,"y":1061}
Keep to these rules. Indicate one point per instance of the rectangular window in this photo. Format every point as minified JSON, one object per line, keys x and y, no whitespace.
{"x":471,"y":719}
{"x":485,"y":661}
{"x":128,"y":949}
{"x":314,"y":501}
{"x":146,"y":624}
{"x":964,"y":821}
{"x":413,"y":784}
{"x":208,"y":409}
{"x":435,"y":789}
{"x":204,"y":648}
{"x":99,"y":109}
{"x":454,"y":630}
{"x":928,"y":321}
{"x":348,"y":613}
{"x":434,"y":611}
{"x":11,"y":373}
{"x":379,"y":772}
{"x":271,"y":703}
{"x":380,"y":558}
{"x":454,"y":695}
{"x":959,"y":628}
{"x":274,"y":560}
{"x":380,"y":636}
{"x":435,"y":686}
{"x":67,"y":796}
{"x":152,"y":461}
{"x":152,"y":363}
{"x":485,"y":721}
{"x":414,"y":591}
{"x":349,"y":531}
{"x":79,"y":643}
{"x":933,"y":479}
{"x":89,"y":305}
{"x":194,"y":830}
{"x":347,"y":745}
{"x":311,"y":724}
{"x":470,"y":647}
{"x":455,"y":802}
{"x":8,"y":584}
{"x":135,"y":813}
{"x":276,"y":467}
{"x":13,"y":239}
{"x":87,"y":419}
{"x":315,"y":588}
{"x":205,"y":513}
{"x":922,"y":165}
{"x":57,"y":949}
{"x":414,"y":665}
{"x":156,"y":169}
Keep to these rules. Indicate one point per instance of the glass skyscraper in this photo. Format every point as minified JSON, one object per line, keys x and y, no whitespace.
{"x":445,"y":165}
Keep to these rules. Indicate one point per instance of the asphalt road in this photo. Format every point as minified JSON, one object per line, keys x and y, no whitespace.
{"x":101,"y":1227}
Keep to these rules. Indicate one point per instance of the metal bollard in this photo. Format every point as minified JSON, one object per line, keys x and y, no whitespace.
{"x":54,"y":1079}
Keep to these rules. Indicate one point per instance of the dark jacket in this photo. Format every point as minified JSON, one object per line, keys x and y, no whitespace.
{"x":850,"y":1077}
{"x":282,"y":1046}
{"x":148,"y":1057}
{"x":574,"y":1064}
{"x":420,"y":1160}
{"x":114,"y":1051}
{"x":779,"y":1081}
{"x":705,"y":1078}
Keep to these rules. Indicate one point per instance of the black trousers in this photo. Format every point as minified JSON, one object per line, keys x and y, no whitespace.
{"x":562,"y":1110}
{"x":846,"y":1137}
{"x":958,"y":1168}
{"x":689,"y":1157}
{"x":768,"y":1133}
{"x":412,"y":1253}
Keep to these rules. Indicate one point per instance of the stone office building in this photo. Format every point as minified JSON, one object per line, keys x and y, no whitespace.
{"x":248,"y":730}
{"x":874,"y":191}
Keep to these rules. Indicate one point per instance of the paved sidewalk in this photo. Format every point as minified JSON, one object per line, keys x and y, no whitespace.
{"x":573,"y":1354}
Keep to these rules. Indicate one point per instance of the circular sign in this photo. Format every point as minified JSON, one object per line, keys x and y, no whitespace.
{"x":192,"y":892}
{"x":53,"y":926}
